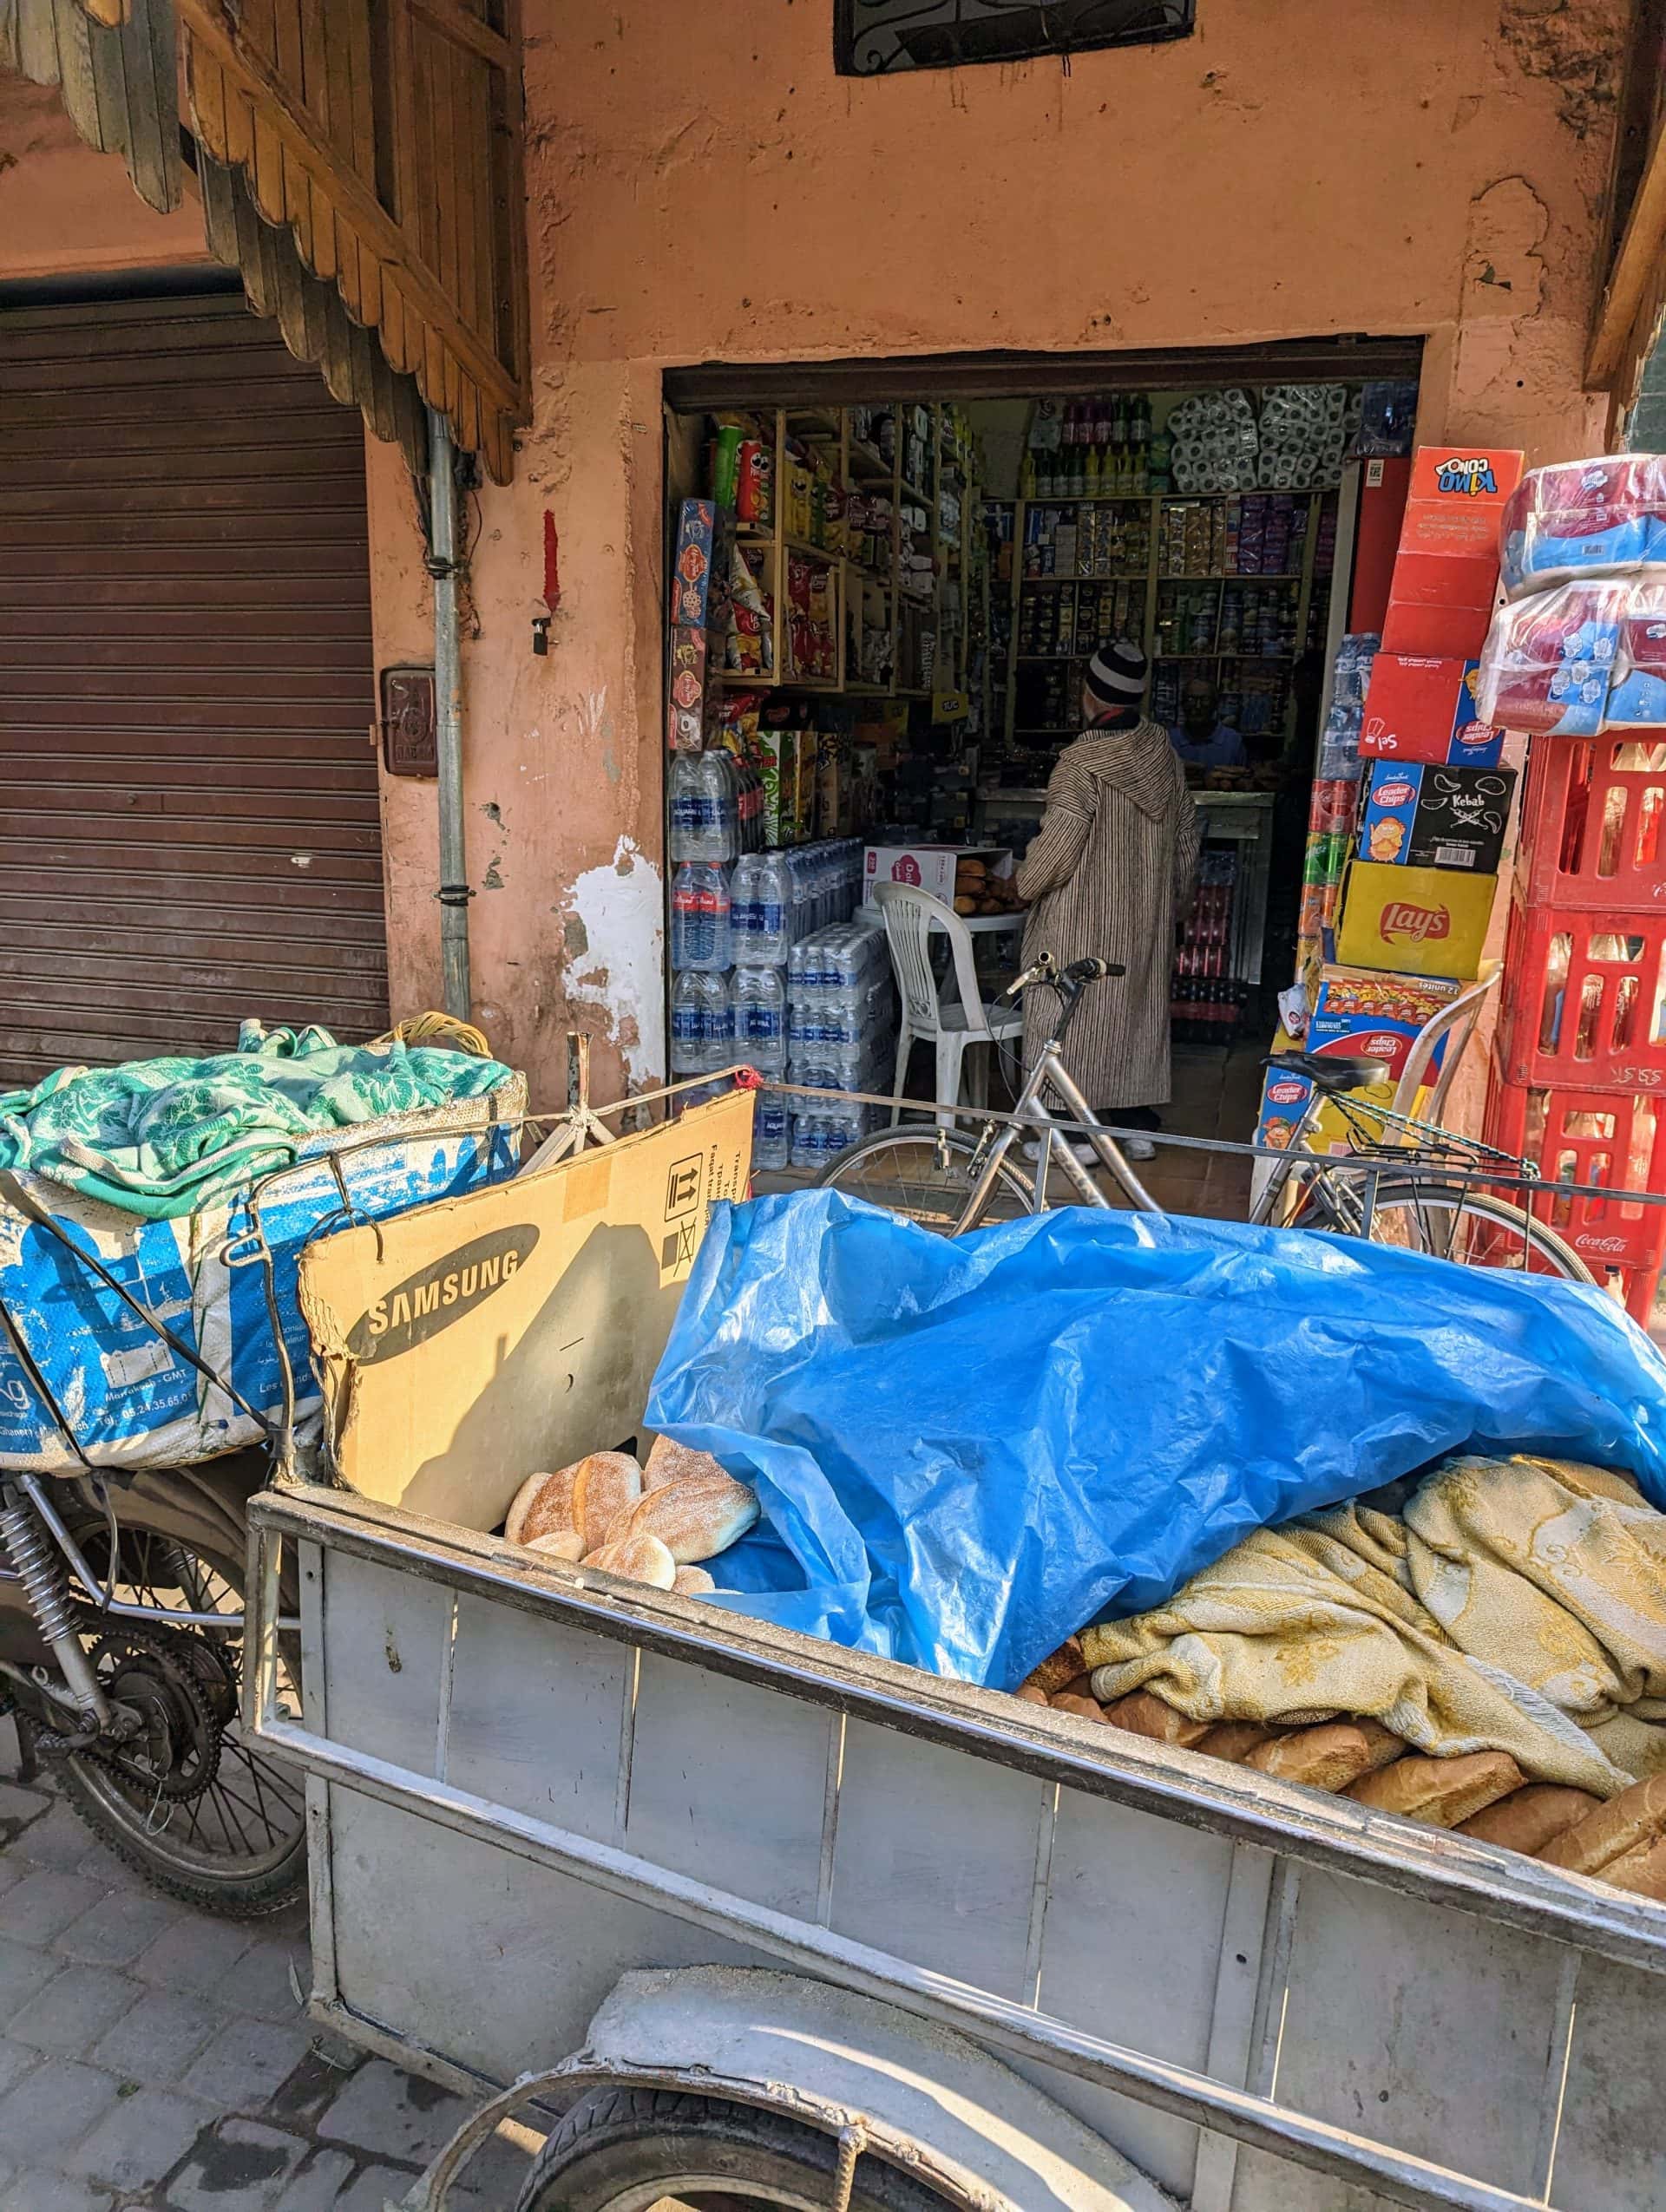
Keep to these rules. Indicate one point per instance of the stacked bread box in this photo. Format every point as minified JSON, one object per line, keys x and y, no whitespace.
{"x":1576,"y":660}
{"x":1414,"y":793}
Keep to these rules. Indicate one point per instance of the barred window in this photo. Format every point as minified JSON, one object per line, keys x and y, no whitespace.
{"x":873,"y":37}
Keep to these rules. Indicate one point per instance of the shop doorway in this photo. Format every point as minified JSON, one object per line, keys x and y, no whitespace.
{"x":191,"y":830}
{"x":913,"y":564}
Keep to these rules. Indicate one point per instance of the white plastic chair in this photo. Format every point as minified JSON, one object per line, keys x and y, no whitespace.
{"x":910,"y":917}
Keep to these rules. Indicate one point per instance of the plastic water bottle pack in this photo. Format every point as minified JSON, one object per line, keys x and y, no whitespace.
{"x":700,"y":917}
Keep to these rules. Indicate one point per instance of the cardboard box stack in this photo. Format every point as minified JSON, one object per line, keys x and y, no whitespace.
{"x":1411,"y":801}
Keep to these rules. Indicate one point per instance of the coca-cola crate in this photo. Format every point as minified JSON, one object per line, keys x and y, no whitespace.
{"x":1585,"y":998}
{"x":1593,"y":824}
{"x":1582,"y":1135}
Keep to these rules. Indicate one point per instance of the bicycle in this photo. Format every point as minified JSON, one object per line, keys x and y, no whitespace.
{"x":950,"y":1182}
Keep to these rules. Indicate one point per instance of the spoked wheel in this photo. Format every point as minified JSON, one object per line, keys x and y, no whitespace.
{"x":925,"y":1174}
{"x":1471,"y":1228}
{"x":621,"y":2151}
{"x":187,"y":1799}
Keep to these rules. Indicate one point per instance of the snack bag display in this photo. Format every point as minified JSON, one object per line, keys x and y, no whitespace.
{"x":1583,"y":518}
{"x":1549,"y":660}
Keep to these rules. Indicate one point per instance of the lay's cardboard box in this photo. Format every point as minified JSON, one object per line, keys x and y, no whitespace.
{"x":1413,"y":921}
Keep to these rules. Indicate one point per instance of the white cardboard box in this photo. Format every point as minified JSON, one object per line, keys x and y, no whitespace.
{"x":928,"y":868}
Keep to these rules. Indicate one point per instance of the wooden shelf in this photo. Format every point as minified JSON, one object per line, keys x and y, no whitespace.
{"x":1233,"y":576}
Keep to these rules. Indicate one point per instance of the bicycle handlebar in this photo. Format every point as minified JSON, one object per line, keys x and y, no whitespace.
{"x":1069,"y":983}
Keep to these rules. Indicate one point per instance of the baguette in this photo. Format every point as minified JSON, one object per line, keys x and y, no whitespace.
{"x":1059,"y":1669}
{"x":1625,"y":1824}
{"x":1233,"y":1739}
{"x":605,"y":1487}
{"x":560,"y":1543}
{"x":696,"y":1518}
{"x":1442,"y":1793}
{"x":692,"y":1582}
{"x":1643,"y":1872}
{"x":1144,"y":1713}
{"x":636,"y":1558}
{"x":543,"y":1505}
{"x":1328,"y":1755}
{"x":1529,"y":1819}
{"x":668,"y":1461}
{"x":1084,"y":1708}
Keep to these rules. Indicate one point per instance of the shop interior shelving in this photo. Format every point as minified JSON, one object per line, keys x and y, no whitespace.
{"x":899,"y":608}
{"x":1152,"y":593}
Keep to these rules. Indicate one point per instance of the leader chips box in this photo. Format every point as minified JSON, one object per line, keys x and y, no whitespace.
{"x":1420,"y":710}
{"x":1418,"y":815}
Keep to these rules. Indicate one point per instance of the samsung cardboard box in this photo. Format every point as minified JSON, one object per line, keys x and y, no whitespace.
{"x":1413,"y":921}
{"x":1417,"y":814}
{"x":1424,"y":709}
{"x":466,"y":1344}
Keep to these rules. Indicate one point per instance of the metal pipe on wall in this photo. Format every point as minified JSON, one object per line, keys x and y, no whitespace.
{"x":454,"y":893}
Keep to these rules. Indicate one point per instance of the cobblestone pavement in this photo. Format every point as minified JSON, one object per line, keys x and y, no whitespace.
{"x":154,"y":2057}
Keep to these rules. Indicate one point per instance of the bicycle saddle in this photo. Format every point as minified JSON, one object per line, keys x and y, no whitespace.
{"x":1326,"y":1072}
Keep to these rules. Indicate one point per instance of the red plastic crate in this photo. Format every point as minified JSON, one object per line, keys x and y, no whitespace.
{"x":1584,"y":1135}
{"x":1593,"y":824}
{"x":1585,"y":998}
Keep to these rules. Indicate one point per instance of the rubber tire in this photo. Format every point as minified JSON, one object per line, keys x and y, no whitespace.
{"x":1010,"y":1180}
{"x":206,"y":1506}
{"x":617,"y":2139}
{"x":1565,"y":1263}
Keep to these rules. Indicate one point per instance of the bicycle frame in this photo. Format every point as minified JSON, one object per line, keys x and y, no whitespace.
{"x":1030,"y":1111}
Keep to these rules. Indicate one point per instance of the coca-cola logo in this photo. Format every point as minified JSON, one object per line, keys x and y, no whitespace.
{"x":1416,"y":924}
{"x":1609,"y":1246}
{"x":1396,"y":794}
{"x":1288,"y":1090}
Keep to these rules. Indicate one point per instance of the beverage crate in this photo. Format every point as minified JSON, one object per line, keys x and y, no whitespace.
{"x":1593,"y":824}
{"x":1584,"y":997}
{"x":1591,"y":1136}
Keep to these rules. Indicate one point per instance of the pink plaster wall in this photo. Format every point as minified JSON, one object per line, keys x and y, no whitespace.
{"x":702,"y":186}
{"x":65,"y":210}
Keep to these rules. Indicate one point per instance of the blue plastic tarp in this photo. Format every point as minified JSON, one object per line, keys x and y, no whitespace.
{"x":967,"y":1450}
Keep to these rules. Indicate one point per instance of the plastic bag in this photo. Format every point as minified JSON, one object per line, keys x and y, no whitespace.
{"x":965,"y":1450}
{"x":1606,"y":516}
{"x":1549,"y":660}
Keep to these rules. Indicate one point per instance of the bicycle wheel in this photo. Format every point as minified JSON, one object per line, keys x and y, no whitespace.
{"x":926,"y":1175}
{"x":1474,"y":1230}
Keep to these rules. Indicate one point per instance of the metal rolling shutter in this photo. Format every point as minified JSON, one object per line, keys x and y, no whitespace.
{"x":189,"y":829}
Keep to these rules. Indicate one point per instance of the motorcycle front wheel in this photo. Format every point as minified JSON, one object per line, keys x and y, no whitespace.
{"x":190,"y":1803}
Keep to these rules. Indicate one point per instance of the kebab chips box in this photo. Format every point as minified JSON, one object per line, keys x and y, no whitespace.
{"x":467,"y":1344}
{"x":1416,"y":814}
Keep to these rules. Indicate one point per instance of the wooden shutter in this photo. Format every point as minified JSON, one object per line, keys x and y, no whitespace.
{"x":189,"y":829}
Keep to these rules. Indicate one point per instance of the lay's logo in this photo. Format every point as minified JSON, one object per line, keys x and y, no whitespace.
{"x":1398,"y":793}
{"x":1400,"y":921}
{"x":1467,"y":479}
